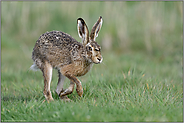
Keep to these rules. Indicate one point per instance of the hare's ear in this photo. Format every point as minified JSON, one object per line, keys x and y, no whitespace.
{"x":96,"y":28}
{"x":83,"y":31}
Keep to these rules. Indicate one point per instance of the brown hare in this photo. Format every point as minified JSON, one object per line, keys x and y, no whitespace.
{"x":71,"y":58}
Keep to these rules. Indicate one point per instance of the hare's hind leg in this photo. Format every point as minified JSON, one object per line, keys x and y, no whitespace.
{"x":47,"y":74}
{"x":61,"y":80}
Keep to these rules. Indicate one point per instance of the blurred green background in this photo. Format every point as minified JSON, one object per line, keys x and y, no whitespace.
{"x":147,"y":27}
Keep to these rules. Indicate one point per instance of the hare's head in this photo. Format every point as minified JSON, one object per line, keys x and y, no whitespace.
{"x":93,"y":49}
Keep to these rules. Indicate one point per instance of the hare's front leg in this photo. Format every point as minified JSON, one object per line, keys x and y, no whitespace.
{"x":73,"y":80}
{"x":47,"y":74}
{"x":67,"y":91}
{"x":60,"y":91}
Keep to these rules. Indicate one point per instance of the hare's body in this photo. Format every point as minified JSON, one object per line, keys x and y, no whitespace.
{"x":61,"y":51}
{"x":71,"y":58}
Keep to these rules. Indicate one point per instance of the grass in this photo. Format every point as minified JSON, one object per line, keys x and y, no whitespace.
{"x":140,"y":78}
{"x":138,"y":92}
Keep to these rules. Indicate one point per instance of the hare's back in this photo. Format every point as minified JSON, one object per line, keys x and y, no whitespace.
{"x":55,"y":38}
{"x":55,"y":47}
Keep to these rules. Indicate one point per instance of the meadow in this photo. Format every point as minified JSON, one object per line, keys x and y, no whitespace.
{"x":140,"y":79}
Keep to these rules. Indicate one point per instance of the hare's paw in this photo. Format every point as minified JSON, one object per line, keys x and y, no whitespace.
{"x":49,"y":99}
{"x":48,"y":96}
{"x":65,"y":99}
{"x":79,"y":91}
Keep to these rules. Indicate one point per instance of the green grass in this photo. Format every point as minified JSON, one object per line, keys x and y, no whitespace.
{"x":140,"y":78}
{"x":123,"y":88}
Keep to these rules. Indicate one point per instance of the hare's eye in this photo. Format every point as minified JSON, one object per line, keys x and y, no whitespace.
{"x":90,"y":49}
{"x":97,"y":49}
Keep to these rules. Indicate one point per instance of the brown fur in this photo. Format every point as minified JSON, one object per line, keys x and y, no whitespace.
{"x":71,"y":58}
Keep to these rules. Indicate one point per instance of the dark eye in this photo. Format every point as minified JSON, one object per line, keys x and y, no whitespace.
{"x":90,"y":49}
{"x":97,"y":49}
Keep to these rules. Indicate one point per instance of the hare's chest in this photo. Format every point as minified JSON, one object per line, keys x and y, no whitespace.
{"x":82,"y":69}
{"x":77,"y":68}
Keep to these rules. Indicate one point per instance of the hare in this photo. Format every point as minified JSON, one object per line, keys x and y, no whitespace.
{"x":71,"y":58}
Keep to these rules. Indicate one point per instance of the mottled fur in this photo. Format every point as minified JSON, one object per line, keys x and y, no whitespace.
{"x":71,"y":58}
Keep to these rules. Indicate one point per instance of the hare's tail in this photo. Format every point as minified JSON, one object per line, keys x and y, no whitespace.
{"x":34,"y":67}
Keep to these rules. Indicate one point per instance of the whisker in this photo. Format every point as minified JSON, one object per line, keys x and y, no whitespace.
{"x":104,"y":64}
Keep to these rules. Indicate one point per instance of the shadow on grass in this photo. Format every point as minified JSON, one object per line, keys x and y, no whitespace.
{"x":12,"y":98}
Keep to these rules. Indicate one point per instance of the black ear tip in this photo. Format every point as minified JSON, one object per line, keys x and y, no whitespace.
{"x":82,"y":21}
{"x":79,"y":19}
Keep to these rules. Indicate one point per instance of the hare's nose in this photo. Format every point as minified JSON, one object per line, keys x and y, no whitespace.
{"x":100,"y":59}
